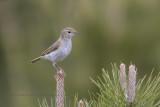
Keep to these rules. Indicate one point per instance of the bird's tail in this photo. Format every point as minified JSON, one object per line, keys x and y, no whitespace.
{"x":35,"y":60}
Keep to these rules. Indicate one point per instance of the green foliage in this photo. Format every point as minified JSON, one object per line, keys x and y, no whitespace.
{"x":111,"y":94}
{"x":148,"y":94}
{"x":44,"y":103}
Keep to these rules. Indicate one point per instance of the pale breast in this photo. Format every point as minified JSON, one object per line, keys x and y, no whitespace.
{"x":65,"y":50}
{"x":61,"y":53}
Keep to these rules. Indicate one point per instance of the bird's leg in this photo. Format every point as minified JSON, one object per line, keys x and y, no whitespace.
{"x":57,"y":67}
{"x":60,"y":69}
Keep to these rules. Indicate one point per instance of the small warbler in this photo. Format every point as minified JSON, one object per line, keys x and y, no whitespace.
{"x":60,"y":49}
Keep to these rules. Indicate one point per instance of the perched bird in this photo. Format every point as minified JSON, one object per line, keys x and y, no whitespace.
{"x":60,"y":49}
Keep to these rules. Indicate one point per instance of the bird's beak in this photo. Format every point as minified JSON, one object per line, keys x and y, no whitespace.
{"x":76,"y":32}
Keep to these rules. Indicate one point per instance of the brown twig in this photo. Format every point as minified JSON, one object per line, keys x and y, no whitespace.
{"x":60,"y":88}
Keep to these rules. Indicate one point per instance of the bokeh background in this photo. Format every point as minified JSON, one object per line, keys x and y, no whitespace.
{"x":111,"y":31}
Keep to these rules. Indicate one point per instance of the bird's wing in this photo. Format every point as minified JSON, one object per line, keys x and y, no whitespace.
{"x":52,"y":48}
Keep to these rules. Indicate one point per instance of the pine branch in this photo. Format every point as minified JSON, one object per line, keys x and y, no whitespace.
{"x":112,"y":89}
{"x":60,"y":88}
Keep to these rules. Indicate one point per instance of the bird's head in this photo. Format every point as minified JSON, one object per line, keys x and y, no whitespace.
{"x":68,"y":33}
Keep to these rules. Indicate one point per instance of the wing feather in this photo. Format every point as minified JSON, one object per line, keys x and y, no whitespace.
{"x":52,"y":48}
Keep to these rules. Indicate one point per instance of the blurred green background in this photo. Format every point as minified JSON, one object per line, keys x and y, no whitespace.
{"x":110,"y":31}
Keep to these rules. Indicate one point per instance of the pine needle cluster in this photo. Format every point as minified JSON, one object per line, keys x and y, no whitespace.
{"x":116,"y":93}
{"x":120,"y":90}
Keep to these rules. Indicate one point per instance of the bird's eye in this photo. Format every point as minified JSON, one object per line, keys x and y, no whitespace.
{"x":69,"y":32}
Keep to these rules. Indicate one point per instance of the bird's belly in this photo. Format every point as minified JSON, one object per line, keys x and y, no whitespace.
{"x":58,"y":55}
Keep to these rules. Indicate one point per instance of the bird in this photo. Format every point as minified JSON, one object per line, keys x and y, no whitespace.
{"x":60,"y":49}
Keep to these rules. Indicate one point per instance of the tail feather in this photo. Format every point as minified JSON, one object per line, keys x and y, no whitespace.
{"x":35,"y":60}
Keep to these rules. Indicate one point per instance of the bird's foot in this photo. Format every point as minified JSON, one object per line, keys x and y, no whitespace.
{"x":61,"y":69}
{"x":58,"y":68}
